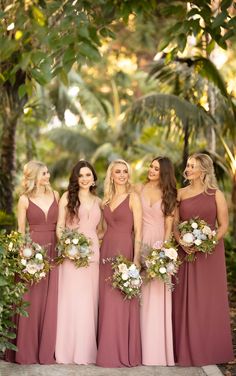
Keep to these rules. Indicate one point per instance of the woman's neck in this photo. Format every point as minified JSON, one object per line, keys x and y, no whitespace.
{"x":196,"y":185}
{"x":40,"y":191}
{"x":120,"y":190}
{"x":84,"y":194}
{"x":153,"y":185}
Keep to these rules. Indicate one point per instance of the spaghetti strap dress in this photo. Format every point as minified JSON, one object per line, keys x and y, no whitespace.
{"x":36,"y":334}
{"x":119,"y":343}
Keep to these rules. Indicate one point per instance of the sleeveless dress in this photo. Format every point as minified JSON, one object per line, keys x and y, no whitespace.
{"x":36,"y":334}
{"x":200,"y":310}
{"x":119,"y":324}
{"x":155,"y":310}
{"x":78,"y":298}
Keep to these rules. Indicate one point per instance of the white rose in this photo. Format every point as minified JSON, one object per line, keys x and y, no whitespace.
{"x":126,"y":284}
{"x":194,"y":225}
{"x":42,"y":274}
{"x":171,"y":253}
{"x":188,"y":238}
{"x":162,"y":270}
{"x":31,"y":268}
{"x":10,"y":246}
{"x":132,"y":267}
{"x":122,"y":268}
{"x":67,"y":241}
{"x":75,"y":241}
{"x":206,"y":230}
{"x":125,"y":276}
{"x":27,"y":252}
{"x":39,"y":256}
{"x":197,"y":241}
{"x":135,"y":282}
{"x":23,"y":262}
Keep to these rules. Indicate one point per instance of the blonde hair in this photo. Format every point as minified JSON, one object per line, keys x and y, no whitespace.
{"x":30,"y":173}
{"x":109,"y":187}
{"x":207,"y":168}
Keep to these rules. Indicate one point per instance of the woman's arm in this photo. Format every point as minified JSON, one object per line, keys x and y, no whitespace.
{"x":169,"y":220}
{"x":222,"y":214}
{"x":23,"y":204}
{"x":61,"y":222}
{"x":136,"y":207}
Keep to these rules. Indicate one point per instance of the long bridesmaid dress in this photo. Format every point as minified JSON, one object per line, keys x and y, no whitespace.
{"x":36,"y":334}
{"x":78,"y":298}
{"x":200,"y":310}
{"x":156,"y":305}
{"x":119,"y":324}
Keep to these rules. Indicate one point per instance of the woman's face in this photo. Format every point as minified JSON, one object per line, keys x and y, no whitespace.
{"x":85,"y":178}
{"x":120,"y":174}
{"x":154,"y":171}
{"x":192,"y":170}
{"x":43,"y":176}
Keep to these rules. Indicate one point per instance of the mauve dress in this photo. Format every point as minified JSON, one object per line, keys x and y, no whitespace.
{"x":156,"y":302}
{"x":200,"y":303}
{"x":36,"y":334}
{"x":119,"y":342}
{"x":78,"y":297}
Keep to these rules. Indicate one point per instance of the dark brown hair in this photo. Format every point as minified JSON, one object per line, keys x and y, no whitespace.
{"x":167,"y":185}
{"x":73,"y":188}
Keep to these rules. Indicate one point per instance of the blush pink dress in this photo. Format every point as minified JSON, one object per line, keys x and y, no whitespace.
{"x":155,"y":310}
{"x":78,"y":298}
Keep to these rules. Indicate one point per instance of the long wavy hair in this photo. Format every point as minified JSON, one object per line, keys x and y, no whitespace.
{"x":167,"y":185}
{"x":31,"y":171}
{"x":109,"y":186}
{"x":73,"y":188}
{"x":206,"y":166}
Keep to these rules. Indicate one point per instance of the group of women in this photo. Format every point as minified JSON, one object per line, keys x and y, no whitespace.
{"x":75,"y":316}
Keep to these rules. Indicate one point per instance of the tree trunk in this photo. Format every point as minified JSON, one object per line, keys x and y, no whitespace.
{"x":11,"y":108}
{"x":186,"y":147}
{"x":234,"y":207}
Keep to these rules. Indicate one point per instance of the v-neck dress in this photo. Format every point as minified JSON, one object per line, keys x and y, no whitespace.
{"x":78,"y":297}
{"x":36,"y":334}
{"x":119,"y":342}
{"x":155,"y":310}
{"x":200,"y":311}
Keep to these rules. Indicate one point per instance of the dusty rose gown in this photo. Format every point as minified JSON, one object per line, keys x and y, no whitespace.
{"x":78,"y":298}
{"x":156,"y":305}
{"x":119,"y":325}
{"x":200,"y":310}
{"x":36,"y":334}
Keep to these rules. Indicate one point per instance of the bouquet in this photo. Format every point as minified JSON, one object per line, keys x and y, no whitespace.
{"x":196,"y":234}
{"x":161,"y":262}
{"x":32,"y":263}
{"x":125,"y":276}
{"x":74,"y":246}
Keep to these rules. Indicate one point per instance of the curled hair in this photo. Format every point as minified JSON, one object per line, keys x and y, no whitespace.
{"x":30,"y":174}
{"x":167,"y":185}
{"x":207,"y":168}
{"x":73,"y":188}
{"x":109,"y":187}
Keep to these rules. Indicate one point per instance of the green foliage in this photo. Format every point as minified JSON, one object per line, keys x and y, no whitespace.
{"x":6,"y":220}
{"x":11,"y":292}
{"x":230,"y":253}
{"x":198,"y":18}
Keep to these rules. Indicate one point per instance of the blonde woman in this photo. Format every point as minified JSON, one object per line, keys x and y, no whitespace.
{"x":200,"y":311}
{"x":38,"y":206}
{"x":119,"y":328}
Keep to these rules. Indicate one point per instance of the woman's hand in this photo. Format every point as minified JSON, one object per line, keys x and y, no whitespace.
{"x":137,"y":262}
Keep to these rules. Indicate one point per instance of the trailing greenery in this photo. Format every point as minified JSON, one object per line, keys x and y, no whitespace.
{"x":11,"y":292}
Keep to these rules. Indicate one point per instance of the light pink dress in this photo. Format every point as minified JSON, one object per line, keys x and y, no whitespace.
{"x":156,"y":322}
{"x":78,"y":298}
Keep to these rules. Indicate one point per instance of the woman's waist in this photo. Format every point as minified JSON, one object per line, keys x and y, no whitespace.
{"x":43,"y":227}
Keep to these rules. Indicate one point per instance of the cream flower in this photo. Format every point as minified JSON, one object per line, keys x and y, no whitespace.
{"x":72,"y":251}
{"x":67,"y":241}
{"x":162,"y":270}
{"x":124,"y":276}
{"x":194,"y":225}
{"x":206,"y":230}
{"x":171,"y":253}
{"x":27,"y":252}
{"x":122,"y":268}
{"x":23,"y":262}
{"x":39,"y":256}
{"x":197,"y":241}
{"x":188,"y":238}
{"x":31,"y":268}
{"x":75,"y":241}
